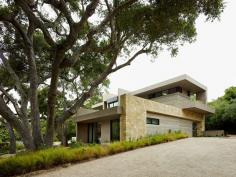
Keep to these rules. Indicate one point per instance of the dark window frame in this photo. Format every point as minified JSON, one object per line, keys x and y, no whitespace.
{"x":112,"y":138}
{"x":152,"y":121}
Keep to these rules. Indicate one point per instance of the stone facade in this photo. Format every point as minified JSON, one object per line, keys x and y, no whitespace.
{"x":136,"y":109}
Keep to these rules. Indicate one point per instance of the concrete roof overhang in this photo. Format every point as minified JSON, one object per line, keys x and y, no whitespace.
{"x":105,"y":114}
{"x":183,"y":81}
{"x":203,"y":110}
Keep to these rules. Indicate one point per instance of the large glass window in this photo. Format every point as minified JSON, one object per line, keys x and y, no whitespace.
{"x":165,"y":92}
{"x":91,"y":133}
{"x":94,"y":132}
{"x":113,"y":104}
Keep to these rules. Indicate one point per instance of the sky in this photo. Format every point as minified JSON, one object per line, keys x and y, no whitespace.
{"x":211,"y":60}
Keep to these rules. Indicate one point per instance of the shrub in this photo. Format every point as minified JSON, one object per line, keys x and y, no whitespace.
{"x":47,"y":158}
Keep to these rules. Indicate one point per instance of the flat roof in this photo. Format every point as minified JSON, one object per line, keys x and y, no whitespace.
{"x":100,"y":115}
{"x":184,"y":81}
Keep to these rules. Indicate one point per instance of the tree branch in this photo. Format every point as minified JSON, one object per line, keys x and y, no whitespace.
{"x":77,"y":27}
{"x":61,"y":5}
{"x":23,"y":4}
{"x":84,"y":96}
{"x":13,"y":75}
{"x":110,"y":15}
{"x":13,"y":101}
{"x":142,"y":51}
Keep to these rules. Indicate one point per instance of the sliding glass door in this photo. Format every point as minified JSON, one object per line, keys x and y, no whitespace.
{"x":91,"y":133}
{"x":94,"y":132}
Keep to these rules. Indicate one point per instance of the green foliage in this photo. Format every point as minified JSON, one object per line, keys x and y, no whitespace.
{"x":225,"y":112}
{"x":230,"y":94}
{"x":80,"y":53}
{"x":4,"y":136}
{"x":165,"y":22}
{"x":71,"y":129}
{"x":4,"y":147}
{"x":44,"y":159}
{"x":96,"y":98}
{"x":42,"y":94}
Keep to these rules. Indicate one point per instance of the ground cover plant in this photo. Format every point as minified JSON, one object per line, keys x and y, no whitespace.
{"x":48,"y":158}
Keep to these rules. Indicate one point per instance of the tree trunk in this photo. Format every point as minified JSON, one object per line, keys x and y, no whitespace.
{"x":25,"y":134}
{"x":12,"y":147}
{"x":61,"y":130}
{"x":33,"y":75}
{"x":52,"y":93}
{"x":26,"y":137}
{"x":17,"y":123}
{"x":64,"y":134}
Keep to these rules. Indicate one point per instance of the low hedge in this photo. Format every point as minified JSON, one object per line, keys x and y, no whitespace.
{"x":48,"y":158}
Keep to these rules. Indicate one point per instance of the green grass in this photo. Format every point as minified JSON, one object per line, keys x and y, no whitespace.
{"x":48,"y":158}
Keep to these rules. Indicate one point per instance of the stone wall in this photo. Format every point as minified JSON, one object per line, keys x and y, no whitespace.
{"x":135,"y":109}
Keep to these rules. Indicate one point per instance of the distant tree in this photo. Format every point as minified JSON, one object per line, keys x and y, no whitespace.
{"x":225,"y":115}
{"x":81,"y":42}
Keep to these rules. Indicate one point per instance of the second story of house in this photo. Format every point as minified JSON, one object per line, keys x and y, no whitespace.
{"x":183,"y":92}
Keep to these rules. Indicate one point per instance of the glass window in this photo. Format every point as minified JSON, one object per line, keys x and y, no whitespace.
{"x":115,"y":130}
{"x":165,"y":92}
{"x":150,"y":96}
{"x":149,"y":121}
{"x":113,"y":104}
{"x":172,"y":90}
{"x":158,"y":94}
{"x":153,"y":121}
{"x":179,"y":89}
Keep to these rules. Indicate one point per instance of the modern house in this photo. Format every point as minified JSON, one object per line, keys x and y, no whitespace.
{"x":177,"y":104}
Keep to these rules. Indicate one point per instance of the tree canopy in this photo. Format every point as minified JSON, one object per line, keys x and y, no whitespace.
{"x":71,"y":46}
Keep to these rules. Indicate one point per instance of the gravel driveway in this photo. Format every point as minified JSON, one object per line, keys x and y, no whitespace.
{"x":192,"y":157}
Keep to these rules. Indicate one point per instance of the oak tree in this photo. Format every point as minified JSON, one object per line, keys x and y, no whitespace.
{"x":45,"y":42}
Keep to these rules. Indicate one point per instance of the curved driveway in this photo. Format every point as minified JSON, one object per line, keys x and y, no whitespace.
{"x":192,"y":157}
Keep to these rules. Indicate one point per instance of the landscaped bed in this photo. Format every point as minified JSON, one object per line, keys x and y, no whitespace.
{"x":48,"y":158}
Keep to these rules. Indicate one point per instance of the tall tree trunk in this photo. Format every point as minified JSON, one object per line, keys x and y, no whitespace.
{"x":64,"y":140}
{"x":64,"y":134}
{"x":12,"y":147}
{"x":38,"y":141}
{"x":25,"y":134}
{"x":28,"y":141}
{"x":52,"y":94}
{"x":61,"y":130}
{"x":33,"y":74}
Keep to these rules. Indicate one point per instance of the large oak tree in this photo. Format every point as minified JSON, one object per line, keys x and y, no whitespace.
{"x":48,"y":42}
